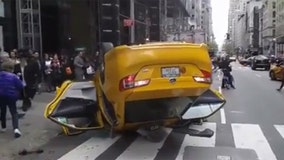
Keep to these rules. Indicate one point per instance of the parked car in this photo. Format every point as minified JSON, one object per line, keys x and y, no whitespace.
{"x":260,"y":61}
{"x":275,"y":71}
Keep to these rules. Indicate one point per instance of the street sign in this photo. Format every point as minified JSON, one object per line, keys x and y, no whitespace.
{"x":128,"y":22}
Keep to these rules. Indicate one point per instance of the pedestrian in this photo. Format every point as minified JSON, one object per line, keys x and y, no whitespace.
{"x":10,"y":88}
{"x":282,"y":81}
{"x":80,"y":66}
{"x":47,"y":72}
{"x":31,"y":76}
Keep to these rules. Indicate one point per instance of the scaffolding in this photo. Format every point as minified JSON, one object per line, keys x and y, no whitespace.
{"x":29,"y":24}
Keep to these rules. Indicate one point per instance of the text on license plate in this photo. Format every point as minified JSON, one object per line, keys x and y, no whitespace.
{"x":170,"y":72}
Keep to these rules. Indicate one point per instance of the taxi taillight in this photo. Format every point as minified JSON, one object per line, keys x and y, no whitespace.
{"x":129,"y":82}
{"x":206,"y":78}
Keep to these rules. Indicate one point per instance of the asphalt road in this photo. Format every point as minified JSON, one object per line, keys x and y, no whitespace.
{"x":250,"y":127}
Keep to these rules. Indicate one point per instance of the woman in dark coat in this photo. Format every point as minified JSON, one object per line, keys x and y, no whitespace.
{"x":31,"y":76}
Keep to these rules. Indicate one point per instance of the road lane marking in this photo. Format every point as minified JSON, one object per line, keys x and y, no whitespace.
{"x":280,"y":129}
{"x":143,"y":149}
{"x":250,"y":136}
{"x":258,"y":75}
{"x":223,"y":116}
{"x":198,"y":141}
{"x":90,"y":149}
{"x":220,"y":89}
{"x":237,"y":112}
{"x":222,"y":111}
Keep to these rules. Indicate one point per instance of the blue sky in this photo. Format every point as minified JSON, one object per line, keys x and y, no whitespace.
{"x":220,"y":9}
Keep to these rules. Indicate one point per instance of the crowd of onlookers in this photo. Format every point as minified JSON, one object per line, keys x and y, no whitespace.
{"x":23,"y":74}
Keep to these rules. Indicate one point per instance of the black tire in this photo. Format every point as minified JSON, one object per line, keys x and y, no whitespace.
{"x":272,"y":75}
{"x":253,"y":67}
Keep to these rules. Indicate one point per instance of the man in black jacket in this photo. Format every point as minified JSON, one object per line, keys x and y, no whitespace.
{"x":225,"y":66}
{"x":31,"y":78}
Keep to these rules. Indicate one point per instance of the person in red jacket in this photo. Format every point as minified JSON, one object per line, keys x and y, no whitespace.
{"x":10,"y":88}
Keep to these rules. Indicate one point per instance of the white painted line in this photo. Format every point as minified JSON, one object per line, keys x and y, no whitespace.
{"x":258,"y":75}
{"x":90,"y":149}
{"x":250,"y":136}
{"x":237,"y":112}
{"x":223,"y":116}
{"x":143,"y":149}
{"x":280,"y":129}
{"x":198,"y":141}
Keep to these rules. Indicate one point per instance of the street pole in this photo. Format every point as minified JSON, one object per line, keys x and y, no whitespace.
{"x":132,"y":17}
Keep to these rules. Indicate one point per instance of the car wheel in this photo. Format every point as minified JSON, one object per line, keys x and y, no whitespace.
{"x":253,"y":67}
{"x":272,"y":75}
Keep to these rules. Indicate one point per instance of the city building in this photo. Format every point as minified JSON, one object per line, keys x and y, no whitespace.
{"x":267,"y":27}
{"x":53,"y":25}
{"x":279,"y":28}
{"x":196,"y":27}
{"x":232,"y":15}
{"x":8,"y":25}
{"x":206,"y":19}
{"x":252,"y":27}
{"x":237,"y":23}
{"x":244,"y":25}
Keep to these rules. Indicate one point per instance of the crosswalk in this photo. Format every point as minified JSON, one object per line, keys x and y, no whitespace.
{"x":245,"y":136}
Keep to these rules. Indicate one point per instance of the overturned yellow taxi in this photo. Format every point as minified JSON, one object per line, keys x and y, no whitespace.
{"x":141,"y":86}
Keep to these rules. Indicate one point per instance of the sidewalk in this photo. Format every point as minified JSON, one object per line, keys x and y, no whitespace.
{"x":36,"y":130}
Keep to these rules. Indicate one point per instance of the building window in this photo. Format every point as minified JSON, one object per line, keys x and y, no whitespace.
{"x":274,"y":14}
{"x":2,"y":9}
{"x":273,"y":32}
{"x":273,"y":5}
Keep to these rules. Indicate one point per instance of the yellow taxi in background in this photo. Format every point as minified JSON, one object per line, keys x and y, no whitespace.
{"x":138,"y":86}
{"x":275,"y":71}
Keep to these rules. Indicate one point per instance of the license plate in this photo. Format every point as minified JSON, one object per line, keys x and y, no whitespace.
{"x":170,"y":72}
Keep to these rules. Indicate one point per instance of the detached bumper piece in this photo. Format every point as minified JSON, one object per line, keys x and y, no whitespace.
{"x":207,"y":133}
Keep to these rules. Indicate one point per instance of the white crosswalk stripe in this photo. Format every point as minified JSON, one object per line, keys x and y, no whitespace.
{"x":280,"y":129}
{"x":90,"y":149}
{"x":245,"y":136}
{"x":142,"y":149}
{"x":198,"y":141}
{"x":250,"y":136}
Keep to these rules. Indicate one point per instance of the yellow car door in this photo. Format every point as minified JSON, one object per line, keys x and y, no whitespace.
{"x":75,"y":108}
